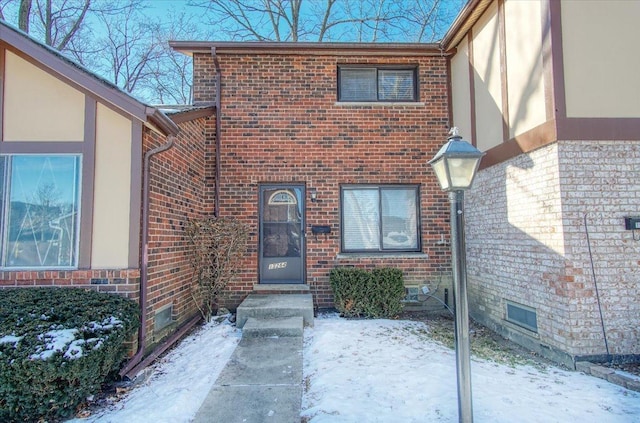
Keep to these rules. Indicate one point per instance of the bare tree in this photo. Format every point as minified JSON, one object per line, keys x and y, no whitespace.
{"x":118,"y":40}
{"x":171,"y":82}
{"x":24,"y":11}
{"x":129,"y":47}
{"x":329,"y":20}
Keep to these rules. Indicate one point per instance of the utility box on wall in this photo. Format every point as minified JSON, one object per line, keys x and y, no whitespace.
{"x":631,"y":223}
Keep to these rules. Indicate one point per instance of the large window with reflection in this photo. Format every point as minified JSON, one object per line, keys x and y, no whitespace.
{"x":40,"y":210}
{"x":381,"y":218}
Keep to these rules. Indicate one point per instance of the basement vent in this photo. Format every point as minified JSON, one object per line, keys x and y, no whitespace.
{"x":163,"y":317}
{"x":411,"y":294}
{"x":522,"y":315}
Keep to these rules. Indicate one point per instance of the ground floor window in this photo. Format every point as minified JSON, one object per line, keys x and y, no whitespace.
{"x":380,"y":218}
{"x":39,"y":210}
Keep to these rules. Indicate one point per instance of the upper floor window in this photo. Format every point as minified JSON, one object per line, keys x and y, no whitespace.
{"x":39,"y":210}
{"x":380,"y":218}
{"x":377,"y":84}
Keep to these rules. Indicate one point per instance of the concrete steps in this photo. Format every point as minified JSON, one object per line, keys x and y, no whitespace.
{"x":273,"y":327}
{"x":275,"y":306}
{"x":262,"y":382}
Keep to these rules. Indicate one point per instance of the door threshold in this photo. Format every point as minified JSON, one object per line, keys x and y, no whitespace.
{"x":280,"y":287}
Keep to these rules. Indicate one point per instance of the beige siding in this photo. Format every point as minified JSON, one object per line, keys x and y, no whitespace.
{"x":601,"y":60}
{"x":39,"y":106}
{"x":487,"y":80}
{"x":460,"y":90}
{"x":111,"y":208}
{"x":524,"y":66}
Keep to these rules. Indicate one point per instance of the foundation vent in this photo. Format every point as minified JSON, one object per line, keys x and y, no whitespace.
{"x":163,"y":317}
{"x":522,"y":316}
{"x":411,"y":294}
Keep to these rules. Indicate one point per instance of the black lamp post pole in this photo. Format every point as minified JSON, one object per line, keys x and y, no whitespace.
{"x":458,"y":265}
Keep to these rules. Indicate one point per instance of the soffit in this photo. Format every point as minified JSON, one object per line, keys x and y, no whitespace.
{"x":466,"y":19}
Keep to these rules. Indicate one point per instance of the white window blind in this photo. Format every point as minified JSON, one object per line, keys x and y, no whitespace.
{"x":380,"y":218}
{"x":395,"y":84}
{"x":399,"y":219}
{"x":361,"y":219}
{"x":358,"y":84}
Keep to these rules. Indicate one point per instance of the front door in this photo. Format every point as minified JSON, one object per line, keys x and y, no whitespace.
{"x":282,"y":240}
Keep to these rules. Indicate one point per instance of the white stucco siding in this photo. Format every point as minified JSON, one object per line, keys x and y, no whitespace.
{"x":524,"y":66}
{"x":487,"y":80}
{"x":601,"y":60}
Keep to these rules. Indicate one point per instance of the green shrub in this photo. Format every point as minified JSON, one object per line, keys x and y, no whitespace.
{"x":361,"y":293}
{"x":57,"y":346}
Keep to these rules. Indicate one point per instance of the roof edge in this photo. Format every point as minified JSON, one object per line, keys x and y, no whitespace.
{"x":161,"y":121}
{"x":467,"y":17}
{"x":92,"y":84}
{"x":192,"y":114}
{"x":307,"y":48}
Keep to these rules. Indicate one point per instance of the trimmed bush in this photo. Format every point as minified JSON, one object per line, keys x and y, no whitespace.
{"x":57,"y":346}
{"x":361,"y":293}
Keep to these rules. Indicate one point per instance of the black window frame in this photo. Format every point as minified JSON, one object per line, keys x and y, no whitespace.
{"x":381,"y":249}
{"x":378,"y":68}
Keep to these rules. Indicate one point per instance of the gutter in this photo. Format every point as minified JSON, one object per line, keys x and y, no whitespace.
{"x":307,"y":48}
{"x":142,"y":332}
{"x":216,"y":63}
{"x":164,"y":123}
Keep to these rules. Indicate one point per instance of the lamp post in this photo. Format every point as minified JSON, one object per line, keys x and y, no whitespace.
{"x":455,"y":166}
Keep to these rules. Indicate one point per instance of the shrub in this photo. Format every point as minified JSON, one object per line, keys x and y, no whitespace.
{"x":57,"y":346}
{"x":361,"y":293}
{"x":217,"y":245}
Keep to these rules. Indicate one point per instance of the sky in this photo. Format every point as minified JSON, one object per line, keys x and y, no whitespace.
{"x":378,"y":371}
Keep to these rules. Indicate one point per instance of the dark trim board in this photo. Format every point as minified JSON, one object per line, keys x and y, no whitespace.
{"x":88,"y":184}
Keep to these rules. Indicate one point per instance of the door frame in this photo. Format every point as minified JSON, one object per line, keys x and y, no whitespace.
{"x":301,"y":201}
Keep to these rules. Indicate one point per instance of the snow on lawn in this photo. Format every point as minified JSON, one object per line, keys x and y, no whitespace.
{"x":388,"y":371}
{"x":379,"y":371}
{"x":180,"y":381}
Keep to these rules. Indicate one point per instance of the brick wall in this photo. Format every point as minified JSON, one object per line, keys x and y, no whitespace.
{"x":281,"y":124}
{"x":124,"y":282}
{"x":526,"y":242}
{"x":177,"y":193}
{"x":600,"y":180}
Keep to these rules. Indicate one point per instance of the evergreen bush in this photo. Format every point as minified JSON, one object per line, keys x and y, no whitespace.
{"x":361,"y":293}
{"x":57,"y":346}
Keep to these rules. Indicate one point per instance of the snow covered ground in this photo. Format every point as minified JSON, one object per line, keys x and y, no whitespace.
{"x":379,"y":371}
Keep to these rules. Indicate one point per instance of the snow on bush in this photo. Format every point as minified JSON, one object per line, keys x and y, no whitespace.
{"x":57,"y":346}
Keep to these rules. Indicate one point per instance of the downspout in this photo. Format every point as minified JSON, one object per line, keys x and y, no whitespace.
{"x":142,"y":332}
{"x":216,"y":200}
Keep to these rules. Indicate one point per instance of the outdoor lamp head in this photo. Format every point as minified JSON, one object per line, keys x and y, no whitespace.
{"x":456,"y":163}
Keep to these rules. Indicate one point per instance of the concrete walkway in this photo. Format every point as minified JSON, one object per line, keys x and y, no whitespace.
{"x":262,"y":382}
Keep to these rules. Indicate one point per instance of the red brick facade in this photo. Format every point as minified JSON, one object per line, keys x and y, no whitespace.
{"x":177,"y":193}
{"x":124,"y":282}
{"x":281,"y":123}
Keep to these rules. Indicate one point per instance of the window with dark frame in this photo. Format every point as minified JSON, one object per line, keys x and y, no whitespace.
{"x":40,"y":208}
{"x":380,"y":218}
{"x":377,"y":84}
